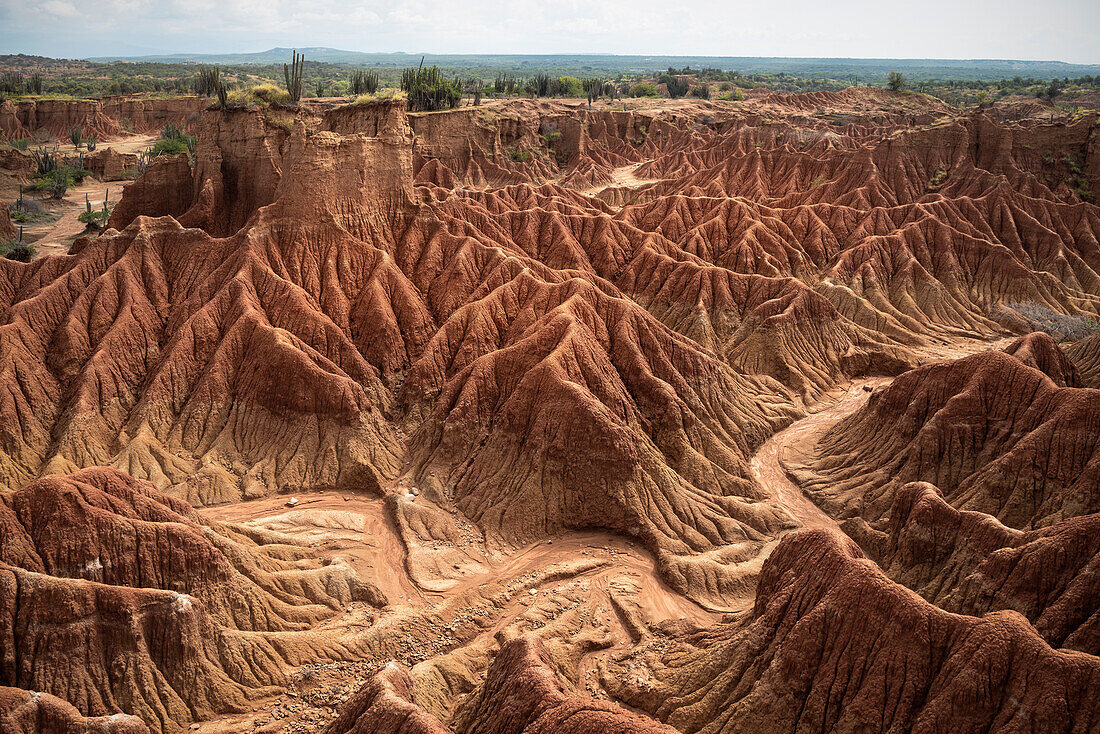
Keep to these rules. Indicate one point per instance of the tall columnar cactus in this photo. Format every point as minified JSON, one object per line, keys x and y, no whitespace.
{"x":293,"y":76}
{"x":208,"y":81}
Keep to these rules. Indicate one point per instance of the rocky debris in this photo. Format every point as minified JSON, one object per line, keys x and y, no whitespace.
{"x":100,"y":561}
{"x":967,"y":562}
{"x":1085,"y":355}
{"x":449,"y":312}
{"x":100,"y":118}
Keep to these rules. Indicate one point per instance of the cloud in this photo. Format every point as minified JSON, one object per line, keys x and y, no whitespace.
{"x":1023,"y":29}
{"x":59,"y":8}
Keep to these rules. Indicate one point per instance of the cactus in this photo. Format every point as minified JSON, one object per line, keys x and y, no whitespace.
{"x":46,"y":161}
{"x":593,"y":88}
{"x":429,"y":89}
{"x":76,"y":135}
{"x":223,"y":96}
{"x":364,"y":82}
{"x":208,"y":80}
{"x":293,"y":76}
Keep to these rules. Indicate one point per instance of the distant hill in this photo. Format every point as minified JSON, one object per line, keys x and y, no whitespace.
{"x":837,"y":68}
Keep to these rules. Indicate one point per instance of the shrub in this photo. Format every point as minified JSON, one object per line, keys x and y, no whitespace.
{"x":269,"y":94}
{"x":643,"y":89}
{"x":57,"y":182}
{"x":517,"y":155}
{"x":938,"y":177}
{"x":1058,"y":325}
{"x":570,"y":86}
{"x":505,"y":84}
{"x":207,"y":81}
{"x":11,"y":83}
{"x":701,"y":92}
{"x":173,"y":141}
{"x":19,"y":251}
{"x":21,"y":144}
{"x":169,"y":147}
{"x":46,"y":161}
{"x":475,"y":88}
{"x":542,"y":85}
{"x":593,"y":88}
{"x":735,"y":95}
{"x":895,"y":81}
{"x":96,"y":218}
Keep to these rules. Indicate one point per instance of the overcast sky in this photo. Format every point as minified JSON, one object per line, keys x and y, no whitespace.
{"x":1060,"y":30}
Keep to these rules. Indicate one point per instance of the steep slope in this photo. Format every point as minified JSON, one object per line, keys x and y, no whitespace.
{"x":993,"y":434}
{"x":833,"y":645}
{"x":522,"y":694}
{"x":967,"y":562}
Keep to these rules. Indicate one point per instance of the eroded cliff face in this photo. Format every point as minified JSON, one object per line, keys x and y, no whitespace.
{"x":100,"y":118}
{"x":518,"y":322}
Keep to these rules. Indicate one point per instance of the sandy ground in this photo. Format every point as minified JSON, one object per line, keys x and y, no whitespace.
{"x":766,"y":467}
{"x":54,"y":234}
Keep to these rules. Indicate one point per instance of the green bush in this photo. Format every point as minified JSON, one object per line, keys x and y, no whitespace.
{"x":173,"y":141}
{"x":96,"y":217}
{"x":570,"y":86}
{"x":57,"y":182}
{"x":734,"y":96}
{"x":643,"y":89}
{"x":363,"y":82}
{"x":895,"y":81}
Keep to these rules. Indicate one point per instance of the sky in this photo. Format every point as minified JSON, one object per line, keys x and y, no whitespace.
{"x":1051,"y":30}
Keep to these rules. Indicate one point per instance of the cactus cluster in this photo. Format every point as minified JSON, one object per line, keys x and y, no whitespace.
{"x":363,"y":81}
{"x":429,"y":89}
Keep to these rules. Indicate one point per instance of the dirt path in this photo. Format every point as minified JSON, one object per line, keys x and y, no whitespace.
{"x":803,"y":434}
{"x":55,"y":237}
{"x":771,"y":475}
